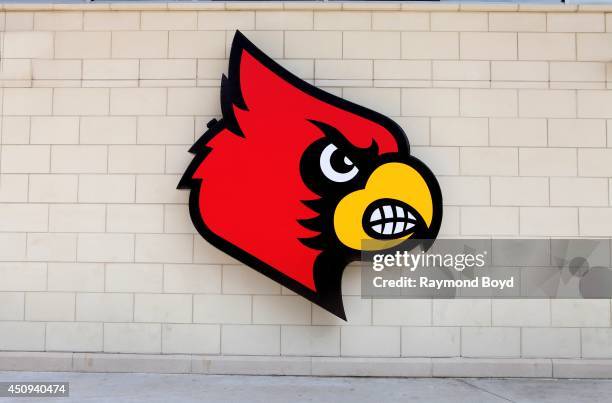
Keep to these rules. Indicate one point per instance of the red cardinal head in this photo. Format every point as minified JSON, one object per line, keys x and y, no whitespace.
{"x":296,"y":182}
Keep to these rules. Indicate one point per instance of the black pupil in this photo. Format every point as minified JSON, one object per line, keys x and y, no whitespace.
{"x":338,"y":164}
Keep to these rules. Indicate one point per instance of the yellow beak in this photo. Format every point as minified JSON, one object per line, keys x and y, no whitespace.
{"x":395,"y":202}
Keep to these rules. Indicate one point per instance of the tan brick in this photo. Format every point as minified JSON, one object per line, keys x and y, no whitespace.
{"x":577,"y":71}
{"x":110,"y":69}
{"x":547,"y":162}
{"x":461,"y":70}
{"x":137,"y":277}
{"x":105,"y":248}
{"x":578,"y":192}
{"x":19,"y":21}
{"x":193,"y":101}
{"x":226,"y":20}
{"x":58,"y":21}
{"x":222,"y":309}
{"x":168,"y":21}
{"x":164,"y":248}
{"x":138,"y":101}
{"x":15,"y":130}
{"x":23,"y":217}
{"x":48,"y":306}
{"x":375,"y":45}
{"x":384,"y":100}
{"x":139,"y":44}
{"x":132,"y":338}
{"x":488,"y":46}
{"x":576,"y":22}
{"x":343,"y":69}
{"x":430,"y":45}
{"x":27,"y":101}
{"x":547,"y":103}
{"x":508,"y":191}
{"x":455,"y":21}
{"x":284,"y":20}
{"x":159,"y":189}
{"x":459,"y":131}
{"x":54,"y":130}
{"x":501,"y":161}
{"x":595,"y":162}
{"x":167,"y":69}
{"x":78,"y":159}
{"x":165,"y":130}
{"x":82,"y":277}
{"x":517,"y":22}
{"x":13,"y":188}
{"x":25,"y":159}
{"x":517,"y":132}
{"x":82,"y":45}
{"x":324,"y":45}
{"x":174,"y":308}
{"x":430,"y":102}
{"x":519,"y":71}
{"x":576,"y":133}
{"x":53,"y":188}
{"x":192,"y":279}
{"x":493,"y":102}
{"x":111,"y":21}
{"x":595,"y":104}
{"x":76,"y":218}
{"x":35,"y":45}
{"x":212,"y":68}
{"x":134,"y":218}
{"x":80,"y":101}
{"x":11,"y":305}
{"x":135,"y":159}
{"x":400,"y":21}
{"x":402,"y":70}
{"x":106,"y":188}
{"x":196,"y":44}
{"x":56,"y":69}
{"x":596,"y":47}
{"x":16,"y":69}
{"x":548,"y":46}
{"x":52,"y":247}
{"x":342,"y":20}
{"x":108,"y":130}
{"x":191,"y":339}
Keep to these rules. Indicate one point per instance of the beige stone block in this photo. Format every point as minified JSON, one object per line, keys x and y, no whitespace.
{"x":134,"y":218}
{"x":173,"y":308}
{"x":80,"y":101}
{"x":596,"y":343}
{"x":459,"y":21}
{"x":284,"y":20}
{"x":111,"y":20}
{"x":193,"y":101}
{"x":141,"y":159}
{"x":430,"y":102}
{"x":489,"y":102}
{"x":159,"y":189}
{"x":165,"y":130}
{"x":461,"y":70}
{"x":370,"y":341}
{"x":78,"y":159}
{"x":595,"y":162}
{"x":519,"y":71}
{"x":547,"y":221}
{"x":58,"y":21}
{"x":72,"y":337}
{"x":105,"y":248}
{"x":133,"y":277}
{"x":323,"y":45}
{"x":244,"y":280}
{"x":27,"y":101}
{"x":250,"y":340}
{"x":550,"y":342}
{"x":76,"y":218}
{"x":521,"y":312}
{"x":52,"y":188}
{"x":51,"y":247}
{"x":140,"y":44}
{"x":499,"y":342}
{"x":15,"y":69}
{"x":82,"y":45}
{"x":25,"y":159}
{"x":546,"y":46}
{"x":138,"y":101}
{"x":226,"y":20}
{"x":465,"y":191}
{"x":343,"y":69}
{"x":13,"y":246}
{"x":107,"y":130}
{"x":384,"y":100}
{"x":162,"y":248}
{"x":142,"y":338}
{"x":168,"y":21}
{"x":167,"y":69}
{"x":13,"y":188}
{"x":49,"y":306}
{"x":23,"y":277}
{"x":594,"y":104}
{"x":290,"y":310}
{"x":19,"y":21}
{"x":235,"y":309}
{"x":547,"y":103}
{"x":509,"y":191}
{"x":393,"y":312}
{"x":547,"y":162}
{"x":196,"y":44}
{"x":15,"y":130}
{"x":430,"y":45}
{"x":430,"y":341}
{"x":489,"y":221}
{"x":192,"y":279}
{"x":310,"y":340}
{"x":441,"y":160}
{"x":576,"y":133}
{"x":22,"y":336}
{"x":358,"y":313}
{"x":342,"y":20}
{"x":402,"y":70}
{"x":577,"y":71}
{"x":517,"y":22}
{"x":106,"y":188}
{"x":191,"y":339}
{"x":513,"y":132}
{"x":595,"y":221}
{"x":213,"y":68}
{"x":56,"y":69}
{"x":400,"y":21}
{"x":576,"y":22}
{"x":462,"y":312}
{"x":54,"y":130}
{"x":597,"y":47}
{"x":459,"y":131}
{"x":110,"y":69}
{"x":11,"y":305}
{"x":487,"y":46}
{"x":35,"y":45}
{"x":580,"y":313}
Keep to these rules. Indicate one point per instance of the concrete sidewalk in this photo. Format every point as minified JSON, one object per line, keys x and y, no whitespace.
{"x":117,"y":387}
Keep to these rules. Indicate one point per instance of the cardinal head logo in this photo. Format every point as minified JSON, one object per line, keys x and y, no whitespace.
{"x":296,"y":182}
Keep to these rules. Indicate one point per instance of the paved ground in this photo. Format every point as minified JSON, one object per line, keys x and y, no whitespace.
{"x":152,"y":388}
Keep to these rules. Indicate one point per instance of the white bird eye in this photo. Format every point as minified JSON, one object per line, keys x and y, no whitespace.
{"x":336,"y":166}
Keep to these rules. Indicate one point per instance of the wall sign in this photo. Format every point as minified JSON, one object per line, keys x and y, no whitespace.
{"x":296,"y":182}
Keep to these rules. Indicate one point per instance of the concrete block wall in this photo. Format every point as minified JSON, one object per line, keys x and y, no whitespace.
{"x":510,"y":105}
